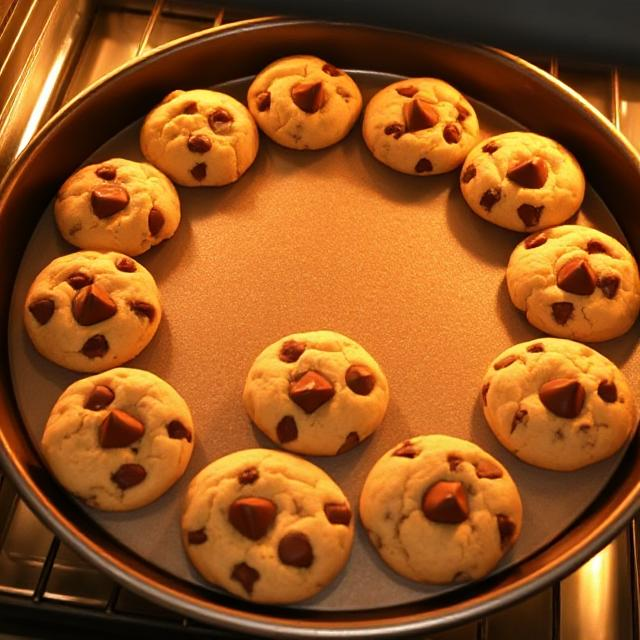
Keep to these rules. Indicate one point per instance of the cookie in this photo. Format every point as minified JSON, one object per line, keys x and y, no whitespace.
{"x":267,"y":526}
{"x":303,"y":102}
{"x":522,"y":181}
{"x":318,"y":393}
{"x":420,"y":126}
{"x":117,"y":205}
{"x":575,"y":282}
{"x":439,"y":509}
{"x":119,"y":439}
{"x":90,"y":311}
{"x":200,"y":138}
{"x":558,"y":404}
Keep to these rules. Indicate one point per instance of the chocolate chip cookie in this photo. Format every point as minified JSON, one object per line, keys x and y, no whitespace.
{"x":575,"y":282}
{"x":440,"y":509}
{"x":90,"y":311}
{"x":303,"y":102}
{"x":522,"y":181}
{"x":117,"y":205}
{"x":200,"y":138}
{"x":420,"y":126}
{"x":558,"y":404}
{"x":318,"y":393}
{"x":267,"y":526}
{"x":118,"y":440}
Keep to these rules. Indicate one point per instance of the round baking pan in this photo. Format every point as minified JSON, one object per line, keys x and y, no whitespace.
{"x":511,"y":86}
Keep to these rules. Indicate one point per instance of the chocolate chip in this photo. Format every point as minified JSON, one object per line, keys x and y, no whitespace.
{"x":245,"y":575}
{"x":577,"y":276}
{"x":423,"y":166}
{"x":199,"y":171}
{"x":311,"y":391}
{"x":101,"y":397}
{"x":125,"y":264}
{"x":518,"y":418}
{"x":529,"y":214}
{"x":531,"y":174}
{"x":487,"y":469}
{"x":338,"y":513}
{"x":454,"y":461}
{"x":291,"y":350}
{"x":349,"y":443}
{"x":119,"y":429}
{"x":143,"y":309}
{"x":263,"y":101}
{"x":95,"y":347}
{"x":177,"y":431}
{"x":593,"y":246}
{"x":562,"y":311}
{"x":190,"y":108}
{"x":469,"y":174}
{"x":491,"y":147}
{"x":506,"y":528}
{"x":395,"y":130}
{"x":78,"y":280}
{"x":505,"y":362}
{"x":198,"y":143}
{"x":419,"y":114}
{"x":295,"y":550}
{"x":451,"y":134}
{"x":106,"y":172}
{"x":252,"y":517}
{"x":535,"y":348}
{"x":331,"y":70}
{"x":42,"y":309}
{"x":535,"y":241}
{"x":563,"y":396}
{"x":490,"y":197}
{"x":108,"y":199}
{"x":446,"y":502}
{"x":287,"y":430}
{"x":248,"y":476}
{"x":485,"y":390}
{"x":608,"y":391}
{"x":197,"y":537}
{"x":463,"y":113}
{"x":155,"y":221}
{"x":128,"y":475}
{"x":91,"y":305}
{"x":308,"y":96}
{"x":406,"y":450}
{"x":407,"y":92}
{"x":360,"y":379}
{"x":220,"y":120}
{"x":609,"y":285}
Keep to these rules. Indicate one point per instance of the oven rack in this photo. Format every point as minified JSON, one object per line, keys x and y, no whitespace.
{"x":44,"y":586}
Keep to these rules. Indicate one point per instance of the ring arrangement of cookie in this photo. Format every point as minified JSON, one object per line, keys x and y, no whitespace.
{"x":270,"y":526}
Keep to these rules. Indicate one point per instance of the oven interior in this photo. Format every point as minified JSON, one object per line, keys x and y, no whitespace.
{"x":48,"y":53}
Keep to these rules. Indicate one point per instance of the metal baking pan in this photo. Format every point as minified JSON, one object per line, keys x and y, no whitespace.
{"x":226,"y":57}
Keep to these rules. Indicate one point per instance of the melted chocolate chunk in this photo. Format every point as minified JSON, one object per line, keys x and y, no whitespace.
{"x":248,"y":476}
{"x":143,"y":309}
{"x":469,"y":174}
{"x":487,"y":469}
{"x":197,"y":537}
{"x":291,"y":351}
{"x":263,"y":101}
{"x":109,"y":199}
{"x":92,"y":305}
{"x":563,"y":396}
{"x":128,"y":475}
{"x":529,"y":214}
{"x":42,"y":310}
{"x":78,"y":280}
{"x":531,"y":174}
{"x":177,"y":431}
{"x":119,"y":429}
{"x":419,"y":114}
{"x":505,"y":362}
{"x":125,"y":264}
{"x":451,"y":133}
{"x":407,"y":92}
{"x":577,"y":276}
{"x":490,"y":197}
{"x":190,"y":108}
{"x":311,"y":391}
{"x":562,"y":312}
{"x":485,"y":390}
{"x":609,"y":286}
{"x":252,"y":517}
{"x":287,"y":430}
{"x":199,"y":171}
{"x":538,"y":347}
{"x":331,"y":70}
{"x":406,"y":450}
{"x":506,"y":528}
{"x":395,"y":130}
{"x":245,"y":575}
{"x":594,"y":246}
{"x":535,"y":241}
{"x":519,"y":417}
{"x":454,"y":461}
{"x":101,"y":397}
{"x":338,"y":513}
{"x":95,"y":347}
{"x":155,"y":221}
{"x":360,"y":379}
{"x":423,"y":166}
{"x":198,"y":144}
{"x":106,"y":172}
{"x":608,"y":391}
{"x":295,"y":550}
{"x":446,"y":502}
{"x":491,"y":147}
{"x":308,"y":96}
{"x":220,"y":120}
{"x":349,"y":443}
{"x":463,"y":113}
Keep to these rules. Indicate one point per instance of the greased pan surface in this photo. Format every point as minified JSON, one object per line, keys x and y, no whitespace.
{"x":414,"y":247}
